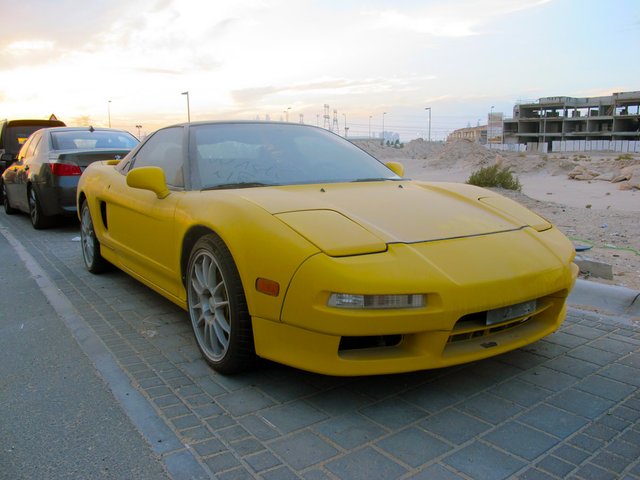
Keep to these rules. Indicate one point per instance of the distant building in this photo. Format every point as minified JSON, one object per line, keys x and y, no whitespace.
{"x":473,"y":134}
{"x":389,"y":136}
{"x":549,"y":119}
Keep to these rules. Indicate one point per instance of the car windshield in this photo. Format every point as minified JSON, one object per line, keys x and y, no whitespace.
{"x":252,"y":154}
{"x":86,"y":139}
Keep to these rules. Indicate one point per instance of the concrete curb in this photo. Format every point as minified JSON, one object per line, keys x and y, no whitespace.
{"x":608,"y":298}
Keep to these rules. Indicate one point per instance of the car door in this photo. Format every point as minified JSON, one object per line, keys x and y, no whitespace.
{"x":140,"y":225}
{"x":18,"y":174}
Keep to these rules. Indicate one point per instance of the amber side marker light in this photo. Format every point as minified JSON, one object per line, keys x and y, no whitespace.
{"x":268,"y":287}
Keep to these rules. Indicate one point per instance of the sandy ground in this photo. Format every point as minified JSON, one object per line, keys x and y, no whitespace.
{"x":600,"y":210}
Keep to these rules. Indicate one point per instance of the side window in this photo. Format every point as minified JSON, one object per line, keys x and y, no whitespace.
{"x":23,"y":150}
{"x":33,"y":146}
{"x":164,"y":149}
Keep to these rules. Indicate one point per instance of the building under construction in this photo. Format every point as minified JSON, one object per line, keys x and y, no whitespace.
{"x":552,"y":119}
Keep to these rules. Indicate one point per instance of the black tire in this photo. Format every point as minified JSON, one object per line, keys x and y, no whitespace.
{"x":38,"y":219}
{"x":8,"y":209}
{"x":93,"y":260}
{"x":218,"y":308}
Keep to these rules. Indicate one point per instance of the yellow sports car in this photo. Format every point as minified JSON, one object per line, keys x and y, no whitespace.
{"x":288,"y":242}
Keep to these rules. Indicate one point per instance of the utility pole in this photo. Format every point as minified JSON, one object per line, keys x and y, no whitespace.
{"x":382,"y":141}
{"x":429,"y":108}
{"x":327,"y":117}
{"x":489,"y":130}
{"x":335,"y":121}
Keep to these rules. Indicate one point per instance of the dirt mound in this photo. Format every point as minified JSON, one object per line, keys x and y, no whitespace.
{"x":415,"y":149}
{"x":463,"y":155}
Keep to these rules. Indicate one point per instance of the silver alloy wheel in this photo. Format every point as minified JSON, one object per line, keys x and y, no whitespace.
{"x":87,"y":235}
{"x":209,"y":306}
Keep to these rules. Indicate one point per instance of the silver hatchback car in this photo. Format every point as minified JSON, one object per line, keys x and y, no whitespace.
{"x":42,"y":181}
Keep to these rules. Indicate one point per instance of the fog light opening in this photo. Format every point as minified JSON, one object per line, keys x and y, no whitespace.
{"x":376,"y":341}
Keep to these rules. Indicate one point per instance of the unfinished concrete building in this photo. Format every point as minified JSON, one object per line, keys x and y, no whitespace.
{"x":559,"y":119}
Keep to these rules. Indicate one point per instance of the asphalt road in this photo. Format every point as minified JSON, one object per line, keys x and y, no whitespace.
{"x":59,"y":419}
{"x":100,"y":378}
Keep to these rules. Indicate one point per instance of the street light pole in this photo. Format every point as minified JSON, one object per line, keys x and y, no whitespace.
{"x":287,"y":113}
{"x":345,"y":125}
{"x":109,"y":112}
{"x":383,"y":114}
{"x":370,"y":125}
{"x":138,"y":127}
{"x":489,"y":130}
{"x":188,"y":108}
{"x":429,"y":108}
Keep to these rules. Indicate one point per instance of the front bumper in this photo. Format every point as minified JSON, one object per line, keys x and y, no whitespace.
{"x":462,"y":278}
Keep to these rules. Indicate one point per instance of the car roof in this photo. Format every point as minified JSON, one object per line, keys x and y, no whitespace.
{"x":34,"y":122}
{"x":83,"y":129}
{"x":245,"y":122}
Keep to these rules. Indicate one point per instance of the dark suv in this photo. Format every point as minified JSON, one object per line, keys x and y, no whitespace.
{"x":13,"y":134}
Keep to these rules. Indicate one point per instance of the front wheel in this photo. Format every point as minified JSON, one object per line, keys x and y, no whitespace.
{"x":218,"y":308}
{"x":38,"y":219}
{"x":90,"y":244}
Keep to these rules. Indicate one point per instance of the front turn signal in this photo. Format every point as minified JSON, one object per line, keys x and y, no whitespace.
{"x":268,"y":287}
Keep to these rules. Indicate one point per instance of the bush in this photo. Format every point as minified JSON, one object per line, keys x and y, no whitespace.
{"x":495,"y":176}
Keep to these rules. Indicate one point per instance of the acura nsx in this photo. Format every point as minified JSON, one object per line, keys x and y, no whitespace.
{"x":288,"y":242}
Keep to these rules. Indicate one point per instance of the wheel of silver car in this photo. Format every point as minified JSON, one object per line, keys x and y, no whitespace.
{"x":93,"y":260}
{"x":218,"y":308}
{"x":38,"y":219}
{"x":8,"y":209}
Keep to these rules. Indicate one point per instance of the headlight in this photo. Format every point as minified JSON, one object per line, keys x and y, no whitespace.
{"x":347,"y":300}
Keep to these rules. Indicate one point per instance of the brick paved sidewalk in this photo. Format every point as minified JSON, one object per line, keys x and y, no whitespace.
{"x":565,"y":407}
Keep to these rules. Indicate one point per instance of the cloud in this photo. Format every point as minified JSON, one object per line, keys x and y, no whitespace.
{"x":69,"y":23}
{"x":159,"y":71}
{"x":23,"y":47}
{"x":447,"y":19}
{"x":329,"y":86}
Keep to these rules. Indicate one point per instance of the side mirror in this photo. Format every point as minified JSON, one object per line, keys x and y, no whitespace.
{"x":396,"y":167}
{"x":149,"y":178}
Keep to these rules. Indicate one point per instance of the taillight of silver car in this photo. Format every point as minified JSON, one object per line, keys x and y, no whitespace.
{"x":65,"y":169}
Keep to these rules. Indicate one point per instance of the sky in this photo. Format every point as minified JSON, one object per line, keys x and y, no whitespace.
{"x":129,"y":61}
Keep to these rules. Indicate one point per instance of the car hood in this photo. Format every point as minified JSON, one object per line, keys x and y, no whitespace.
{"x":357,"y":218}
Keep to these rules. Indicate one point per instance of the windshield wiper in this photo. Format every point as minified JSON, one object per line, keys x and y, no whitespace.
{"x":223,"y":186}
